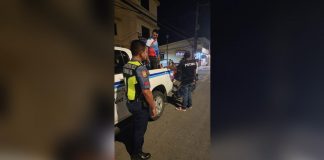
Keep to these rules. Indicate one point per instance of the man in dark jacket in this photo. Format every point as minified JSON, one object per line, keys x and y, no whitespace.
{"x":187,"y":74}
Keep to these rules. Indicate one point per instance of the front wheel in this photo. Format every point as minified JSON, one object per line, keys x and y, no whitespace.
{"x":159,"y":100}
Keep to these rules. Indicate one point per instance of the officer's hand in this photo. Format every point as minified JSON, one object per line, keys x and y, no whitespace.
{"x":153,"y":112}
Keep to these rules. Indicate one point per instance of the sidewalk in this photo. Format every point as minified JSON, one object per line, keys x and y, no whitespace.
{"x":204,"y":68}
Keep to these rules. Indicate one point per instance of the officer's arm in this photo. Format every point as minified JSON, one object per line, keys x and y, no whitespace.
{"x":149,"y":98}
{"x":143,"y":77}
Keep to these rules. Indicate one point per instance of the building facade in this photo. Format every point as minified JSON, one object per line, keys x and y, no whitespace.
{"x":176,"y":50}
{"x":134,"y":19}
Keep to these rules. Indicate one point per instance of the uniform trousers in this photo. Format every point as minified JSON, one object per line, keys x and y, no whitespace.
{"x":140,"y":116}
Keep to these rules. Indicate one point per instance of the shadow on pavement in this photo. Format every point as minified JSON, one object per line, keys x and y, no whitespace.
{"x":126,"y":127}
{"x":175,"y":102}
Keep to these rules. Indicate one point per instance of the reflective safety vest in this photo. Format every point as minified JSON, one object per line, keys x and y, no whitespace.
{"x":129,"y":72}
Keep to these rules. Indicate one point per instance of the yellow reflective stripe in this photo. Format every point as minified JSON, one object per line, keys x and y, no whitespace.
{"x":131,"y":88}
{"x":135,"y":63}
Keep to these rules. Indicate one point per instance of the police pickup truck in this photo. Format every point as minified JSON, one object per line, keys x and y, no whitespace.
{"x":160,"y":81}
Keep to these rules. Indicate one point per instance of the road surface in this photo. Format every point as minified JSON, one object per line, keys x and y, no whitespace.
{"x":177,"y":135}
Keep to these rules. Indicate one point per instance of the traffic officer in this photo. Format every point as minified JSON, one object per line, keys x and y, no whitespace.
{"x":139,"y":97}
{"x":186,"y":71}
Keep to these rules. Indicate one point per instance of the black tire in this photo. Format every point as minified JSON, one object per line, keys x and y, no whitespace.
{"x":159,"y":99}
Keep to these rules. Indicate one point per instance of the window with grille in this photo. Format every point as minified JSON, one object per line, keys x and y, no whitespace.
{"x":145,"y":32}
{"x":121,"y":58}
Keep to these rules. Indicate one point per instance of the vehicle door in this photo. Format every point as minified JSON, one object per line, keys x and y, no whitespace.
{"x":121,"y":111}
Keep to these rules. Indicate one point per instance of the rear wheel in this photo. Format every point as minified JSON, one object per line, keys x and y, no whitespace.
{"x":159,"y":100}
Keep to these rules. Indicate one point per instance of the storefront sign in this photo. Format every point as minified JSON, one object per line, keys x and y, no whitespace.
{"x":180,"y":53}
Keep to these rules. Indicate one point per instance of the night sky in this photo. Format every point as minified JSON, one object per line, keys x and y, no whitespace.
{"x":181,"y":17}
{"x":267,"y":62}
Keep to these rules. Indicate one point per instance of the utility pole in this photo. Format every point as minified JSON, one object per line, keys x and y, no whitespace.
{"x":167,"y":37}
{"x":196,"y":31}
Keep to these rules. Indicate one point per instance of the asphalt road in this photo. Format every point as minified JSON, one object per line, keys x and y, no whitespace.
{"x":177,"y":135}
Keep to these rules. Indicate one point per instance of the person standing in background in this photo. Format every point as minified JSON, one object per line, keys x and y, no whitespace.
{"x":153,"y":50}
{"x":186,"y":72}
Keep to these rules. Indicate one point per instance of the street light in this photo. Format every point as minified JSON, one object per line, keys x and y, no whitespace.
{"x":167,"y":37}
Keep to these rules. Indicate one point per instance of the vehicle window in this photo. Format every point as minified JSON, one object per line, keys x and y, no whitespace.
{"x":125,"y":56}
{"x":121,"y":58}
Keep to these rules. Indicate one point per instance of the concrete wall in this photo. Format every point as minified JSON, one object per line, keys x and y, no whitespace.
{"x":126,"y":27}
{"x":129,"y":24}
{"x":153,"y":7}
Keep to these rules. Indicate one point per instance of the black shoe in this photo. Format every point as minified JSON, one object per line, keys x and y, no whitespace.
{"x":145,"y":155}
{"x":141,"y":156}
{"x":184,"y":109}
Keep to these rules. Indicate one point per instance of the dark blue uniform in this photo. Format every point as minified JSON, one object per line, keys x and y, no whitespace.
{"x":138,"y":106}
